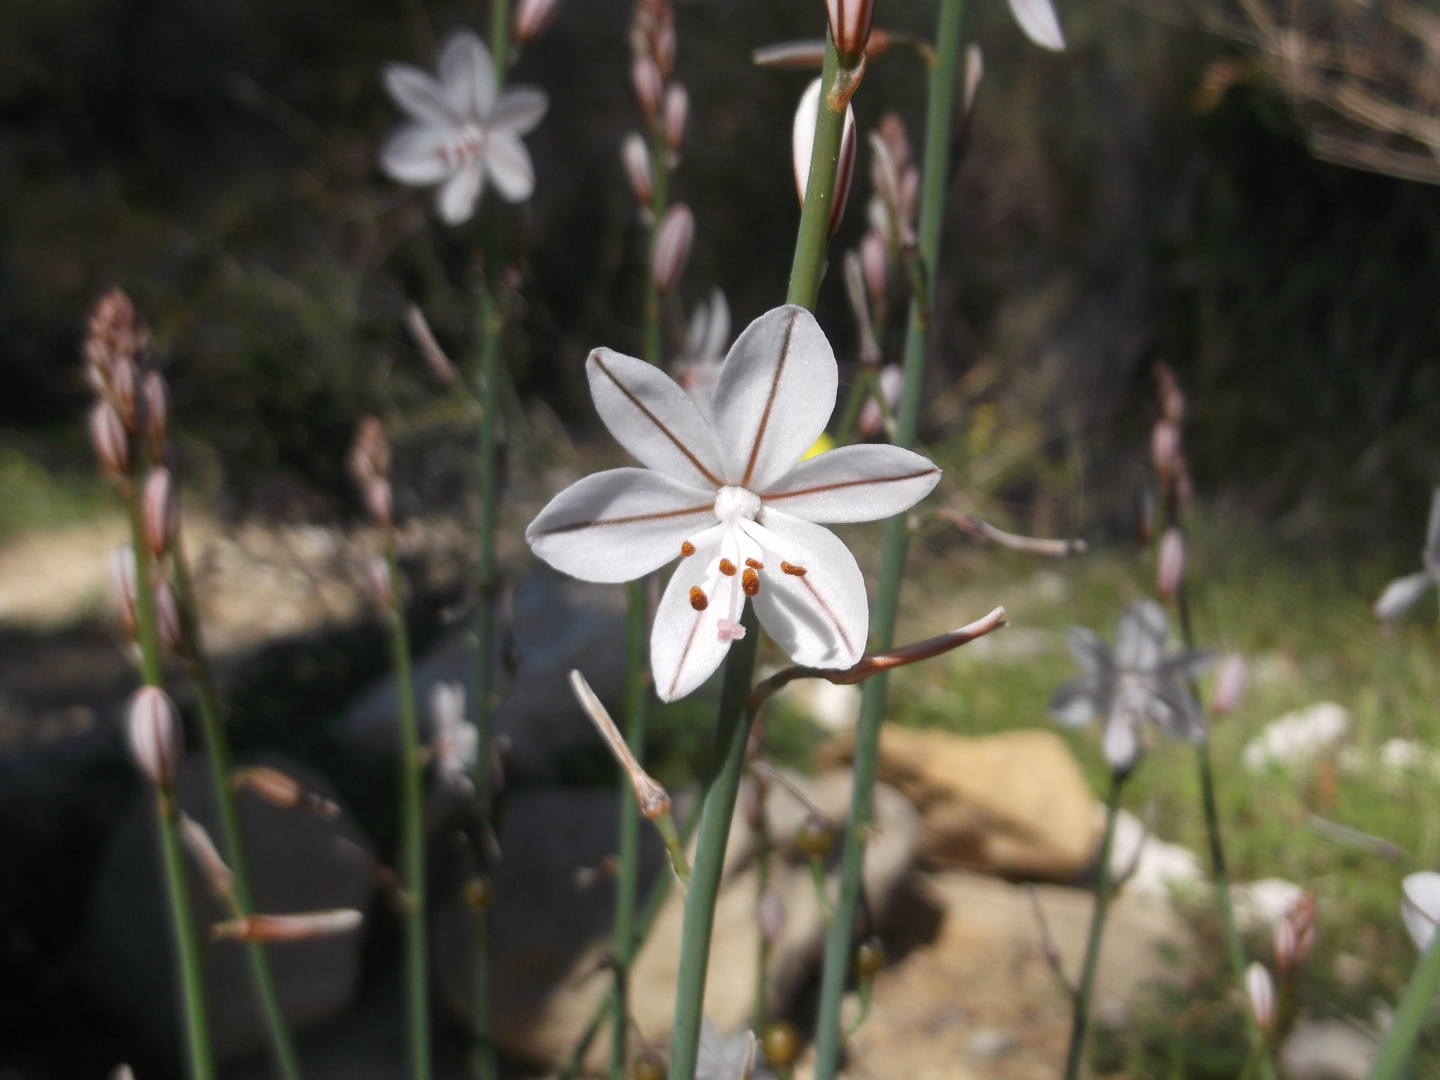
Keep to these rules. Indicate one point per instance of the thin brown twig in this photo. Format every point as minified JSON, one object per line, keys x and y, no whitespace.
{"x":1047,"y":943}
{"x":973,"y":526}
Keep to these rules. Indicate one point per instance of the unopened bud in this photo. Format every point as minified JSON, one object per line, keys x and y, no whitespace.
{"x":479,"y":893}
{"x":161,"y":511}
{"x":974,"y":72}
{"x":1230,"y":682}
{"x":167,"y":620}
{"x":301,"y":927}
{"x":672,"y":246}
{"x":816,"y":836}
{"x":202,"y":849}
{"x":370,"y":453}
{"x":282,"y":790}
{"x":1295,"y":934}
{"x":677,"y":107}
{"x":772,"y":916}
{"x":1165,"y":450}
{"x":790,"y":55}
{"x":649,"y":87}
{"x":424,"y":337}
{"x":807,"y":115}
{"x":892,"y":133}
{"x":120,"y":391}
{"x":116,"y":331}
{"x":649,"y":1066}
{"x":155,"y":414}
{"x":1260,"y":989}
{"x":891,"y":380}
{"x":122,"y":588}
{"x":1171,"y":397}
{"x":1170,"y":567}
{"x":850,"y":25}
{"x":875,"y":262}
{"x":154,"y":732}
{"x":781,"y":1043}
{"x":869,"y":958}
{"x":533,"y":18}
{"x":379,"y":503}
{"x":112,"y":445}
{"x":378,"y":571}
{"x":649,"y":793}
{"x":662,"y":44}
{"x":636,"y":156}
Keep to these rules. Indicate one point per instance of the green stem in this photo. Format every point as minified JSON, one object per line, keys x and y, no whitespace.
{"x":762,"y":886}
{"x":412,"y":835}
{"x":217,"y":750}
{"x":732,"y":736}
{"x":1097,"y":930}
{"x":808,"y":266}
{"x":187,"y":944}
{"x":1393,"y":1059}
{"x":829,"y":1036}
{"x":627,"y":885}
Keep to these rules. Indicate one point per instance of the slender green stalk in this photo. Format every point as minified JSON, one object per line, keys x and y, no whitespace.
{"x":732,"y":736}
{"x":412,"y":834}
{"x":627,"y":885}
{"x":762,"y":886}
{"x":1393,"y":1059}
{"x":217,"y":750}
{"x":1097,"y":931}
{"x":829,"y":1036}
{"x":187,"y":946}
{"x":808,"y":266}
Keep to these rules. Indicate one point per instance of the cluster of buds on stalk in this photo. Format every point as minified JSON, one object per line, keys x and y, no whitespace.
{"x":1166,"y":449}
{"x":370,"y":466}
{"x":895,"y":182}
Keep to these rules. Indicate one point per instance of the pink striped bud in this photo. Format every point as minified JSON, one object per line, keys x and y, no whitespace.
{"x":120,"y":389}
{"x":850,"y":25}
{"x":155,"y":414}
{"x":1171,"y":397}
{"x":112,"y":445}
{"x":202,"y":849}
{"x":1260,"y":989}
{"x":378,"y":502}
{"x":1165,"y":450}
{"x":810,"y":54}
{"x":305,"y":926}
{"x":636,"y":156}
{"x":672,"y":246}
{"x":533,"y":18}
{"x":772,"y":916}
{"x":370,"y":453}
{"x":122,"y":588}
{"x":677,"y":107}
{"x":1170,"y":567}
{"x":439,"y":364}
{"x":872,"y":417}
{"x":1295,"y":934}
{"x":378,"y":571}
{"x":282,"y":790}
{"x":662,"y":44}
{"x":161,"y":512}
{"x":803,"y":145}
{"x":875,"y":262}
{"x":167,"y":619}
{"x":892,"y":131}
{"x":1230,"y":682}
{"x":156,"y":741}
{"x":649,"y":87}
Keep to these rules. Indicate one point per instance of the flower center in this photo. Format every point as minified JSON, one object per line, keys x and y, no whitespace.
{"x":732,"y":503}
{"x":467,"y":144}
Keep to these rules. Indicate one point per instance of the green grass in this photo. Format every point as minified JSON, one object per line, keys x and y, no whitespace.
{"x":33,"y":498}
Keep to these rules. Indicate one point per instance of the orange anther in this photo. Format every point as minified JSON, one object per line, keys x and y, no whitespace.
{"x":792,"y":570}
{"x":727,"y":568}
{"x":687,"y":549}
{"x":750,"y":582}
{"x":755,"y":564}
{"x":697,"y":598}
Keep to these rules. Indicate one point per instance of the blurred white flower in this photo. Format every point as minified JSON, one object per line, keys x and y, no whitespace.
{"x":698,"y":369}
{"x":455,"y":744}
{"x":1403,"y":593}
{"x":1037,"y":19}
{"x":731,"y":1058}
{"x":461,"y":132}
{"x":1299,"y":737}
{"x":1421,"y":907}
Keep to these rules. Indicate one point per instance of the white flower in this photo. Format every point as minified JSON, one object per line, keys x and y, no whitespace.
{"x":1403,"y":593}
{"x":1421,"y":907}
{"x":1037,"y":19}
{"x":732,"y":1058}
{"x":698,"y":370}
{"x":460,"y":130}
{"x":731,"y":496}
{"x":455,"y":745}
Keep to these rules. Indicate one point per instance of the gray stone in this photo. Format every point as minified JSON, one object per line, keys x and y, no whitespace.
{"x":1326,"y":1050}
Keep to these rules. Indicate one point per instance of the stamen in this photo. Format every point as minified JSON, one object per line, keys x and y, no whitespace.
{"x":792,"y":570}
{"x":750,"y":582}
{"x":697,"y":598}
{"x":687,"y":549}
{"x":727,"y":568}
{"x":755,"y":564}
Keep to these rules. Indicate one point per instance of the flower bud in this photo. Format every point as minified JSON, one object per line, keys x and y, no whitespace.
{"x":1260,"y":989}
{"x":202,"y":849}
{"x":161,"y":512}
{"x":672,"y":246}
{"x":677,"y":107}
{"x":662,"y":45}
{"x":120,"y":389}
{"x":533,"y":18}
{"x":155,"y":414}
{"x":1295,"y":934}
{"x":112,"y":445}
{"x":649,"y":1066}
{"x":156,"y":741}
{"x":892,"y":131}
{"x":116,"y":330}
{"x":378,"y":571}
{"x":636,"y":156}
{"x":122,"y":588}
{"x":875,"y":262}
{"x":282,"y":790}
{"x":1170,"y":568}
{"x":869,"y":958}
{"x":649,"y":86}
{"x":790,"y":55}
{"x":1165,"y":450}
{"x":807,"y":114}
{"x":167,"y":620}
{"x":850,"y":25}
{"x":816,"y":836}
{"x":772,"y":916}
{"x":435,"y":358}
{"x":1171,"y":397}
{"x":370,"y":453}
{"x":302,"y":927}
{"x":378,"y":502}
{"x":872,"y":417}
{"x":1230,"y":682}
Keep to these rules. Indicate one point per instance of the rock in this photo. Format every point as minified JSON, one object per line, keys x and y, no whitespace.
{"x":547,"y":1033}
{"x":834,"y":707}
{"x":1326,"y":1050}
{"x":1014,"y":803}
{"x":1259,"y":905}
{"x":1298,"y":738}
{"x":1155,"y":868}
{"x":298,"y":863}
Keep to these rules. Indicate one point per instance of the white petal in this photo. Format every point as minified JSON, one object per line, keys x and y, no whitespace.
{"x":1421,"y":907}
{"x":1078,"y":702}
{"x":508,"y":163}
{"x":802,"y":141}
{"x":457,"y":198}
{"x":775,"y":396}
{"x":1037,"y":19}
{"x":820,"y":619}
{"x":412,"y":155}
{"x":1121,"y":746}
{"x":1140,"y":636}
{"x":1089,"y":651}
{"x":420,"y":95}
{"x":619,"y":524}
{"x":520,"y":109}
{"x":854,"y":483}
{"x":685,"y":644}
{"x":468,"y":74}
{"x":1401,"y":595}
{"x":653,"y":418}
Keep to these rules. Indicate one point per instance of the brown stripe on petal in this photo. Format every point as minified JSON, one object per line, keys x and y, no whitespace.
{"x":594,"y":523}
{"x":841,"y":485}
{"x":689,"y":454}
{"x":770,"y":401}
{"x":824,"y":606}
{"x":684,"y":655}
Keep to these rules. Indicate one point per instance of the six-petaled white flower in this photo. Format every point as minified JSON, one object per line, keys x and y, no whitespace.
{"x":732,"y":497}
{"x":455,"y":743}
{"x":461,"y":130}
